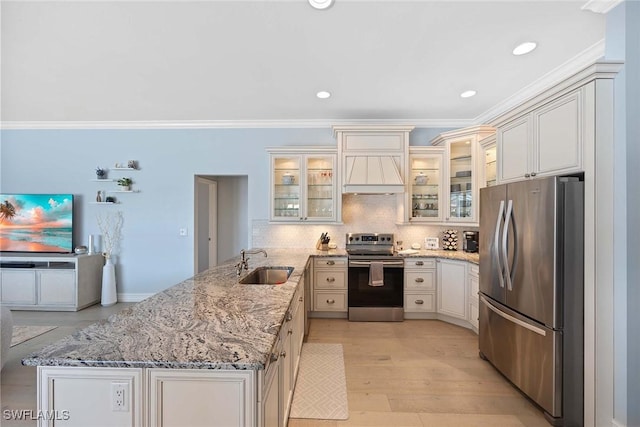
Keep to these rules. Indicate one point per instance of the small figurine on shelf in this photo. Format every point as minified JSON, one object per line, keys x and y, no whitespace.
{"x":132,"y":164}
{"x":101,"y":173}
{"x":99,"y":197}
{"x":110,"y":199}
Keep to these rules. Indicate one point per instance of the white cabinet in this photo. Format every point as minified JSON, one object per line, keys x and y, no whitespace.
{"x":473,"y":283}
{"x":304,"y":185}
{"x":78,"y":396}
{"x":488,"y":160}
{"x":179,"y":397}
{"x":452,"y":288}
{"x":330,"y":284}
{"x":419,"y":287}
{"x":424,"y":201}
{"x":51,"y":282}
{"x":462,"y":177}
{"x":545,"y":140}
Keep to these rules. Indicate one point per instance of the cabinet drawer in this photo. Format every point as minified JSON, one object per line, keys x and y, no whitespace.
{"x":330,"y":279}
{"x":420,"y":302}
{"x":423,"y":280}
{"x":330,"y":301}
{"x":329,"y":262}
{"x":419,"y":263}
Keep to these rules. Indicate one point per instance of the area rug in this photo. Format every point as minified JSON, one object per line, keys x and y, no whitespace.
{"x":321,"y":387}
{"x":22,"y":333}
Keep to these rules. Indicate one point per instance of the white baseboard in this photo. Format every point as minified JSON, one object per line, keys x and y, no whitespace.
{"x":132,"y":297}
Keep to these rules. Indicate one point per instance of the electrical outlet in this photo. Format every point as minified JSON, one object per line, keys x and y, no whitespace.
{"x":120,"y":397}
{"x":183,"y":231}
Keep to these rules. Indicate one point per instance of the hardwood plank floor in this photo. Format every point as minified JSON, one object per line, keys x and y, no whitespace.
{"x":411,"y":373}
{"x":420,"y":373}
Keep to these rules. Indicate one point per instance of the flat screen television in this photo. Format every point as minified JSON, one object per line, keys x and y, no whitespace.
{"x":36,"y":223}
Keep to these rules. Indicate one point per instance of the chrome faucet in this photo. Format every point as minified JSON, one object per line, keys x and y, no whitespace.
{"x":244,"y":262}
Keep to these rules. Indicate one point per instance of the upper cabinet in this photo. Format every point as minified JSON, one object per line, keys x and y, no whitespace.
{"x":462,"y":172}
{"x":488,"y":160}
{"x":304,"y":185}
{"x":426,"y":166}
{"x":545,"y":140}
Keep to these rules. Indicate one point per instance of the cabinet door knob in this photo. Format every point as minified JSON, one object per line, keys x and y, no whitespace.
{"x":331,"y":279}
{"x":331,"y":301}
{"x":274,"y":357}
{"x":300,"y":299}
{"x":419,"y":263}
{"x":331,"y":262}
{"x":289,"y":316}
{"x":526,"y":175}
{"x":419,"y":301}
{"x":301,"y":218}
{"x":533,"y":174}
{"x":419,"y":279}
{"x":290,"y":331}
{"x":283,"y":354}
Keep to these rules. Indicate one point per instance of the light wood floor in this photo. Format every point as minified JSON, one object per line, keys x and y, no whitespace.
{"x":411,"y":373}
{"x":420,"y":373}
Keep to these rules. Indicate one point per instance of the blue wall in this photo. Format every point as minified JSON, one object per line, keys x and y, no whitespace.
{"x":153,"y":256}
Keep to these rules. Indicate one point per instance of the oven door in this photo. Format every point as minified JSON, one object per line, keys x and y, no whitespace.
{"x":390,"y":294}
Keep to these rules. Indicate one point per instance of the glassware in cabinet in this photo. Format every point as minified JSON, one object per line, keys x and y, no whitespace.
{"x":286,"y":187}
{"x":425,"y":167}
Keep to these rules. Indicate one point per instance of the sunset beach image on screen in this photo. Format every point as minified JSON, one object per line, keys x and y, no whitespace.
{"x":36,"y":222}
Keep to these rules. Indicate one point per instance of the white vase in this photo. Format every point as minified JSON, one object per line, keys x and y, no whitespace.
{"x":109,"y":294}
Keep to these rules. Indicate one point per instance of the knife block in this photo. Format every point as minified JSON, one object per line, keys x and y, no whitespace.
{"x":322,"y":246}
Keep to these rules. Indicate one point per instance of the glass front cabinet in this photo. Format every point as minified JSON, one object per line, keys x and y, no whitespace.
{"x":425,"y":182}
{"x":488,"y":158}
{"x":462,"y":172}
{"x":304,"y":186}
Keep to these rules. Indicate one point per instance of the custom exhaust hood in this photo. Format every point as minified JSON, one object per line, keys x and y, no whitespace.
{"x":372,"y":174}
{"x":373,"y":158}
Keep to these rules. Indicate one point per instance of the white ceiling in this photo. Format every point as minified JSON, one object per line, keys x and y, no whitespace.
{"x":264,"y":61}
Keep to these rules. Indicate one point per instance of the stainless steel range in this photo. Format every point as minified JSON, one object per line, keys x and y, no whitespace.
{"x":376,"y":278}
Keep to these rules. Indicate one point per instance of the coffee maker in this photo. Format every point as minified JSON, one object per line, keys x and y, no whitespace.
{"x":470,"y":240}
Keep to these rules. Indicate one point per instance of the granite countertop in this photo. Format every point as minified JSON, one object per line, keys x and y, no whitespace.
{"x":209,"y":321}
{"x":440,"y":253}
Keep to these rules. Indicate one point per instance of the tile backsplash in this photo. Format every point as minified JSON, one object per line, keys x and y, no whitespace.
{"x":360,"y":213}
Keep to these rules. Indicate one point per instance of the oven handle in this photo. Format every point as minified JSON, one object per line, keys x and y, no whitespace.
{"x":384,"y":263}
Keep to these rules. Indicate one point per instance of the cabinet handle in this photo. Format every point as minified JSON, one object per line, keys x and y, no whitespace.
{"x":300,"y":299}
{"x":419,"y":263}
{"x":419,"y":301}
{"x":331,"y":279}
{"x":305,"y":218}
{"x":533,"y":174}
{"x":526,"y":175}
{"x":331,"y":262}
{"x":419,"y":279}
{"x":288,"y":316}
{"x":331,"y":301}
{"x":274,"y":357}
{"x":301,"y":218}
{"x":290,"y":331}
{"x":283,"y":354}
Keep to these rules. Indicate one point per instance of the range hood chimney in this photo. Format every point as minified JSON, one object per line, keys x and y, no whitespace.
{"x":373,"y":157}
{"x":372,"y":175}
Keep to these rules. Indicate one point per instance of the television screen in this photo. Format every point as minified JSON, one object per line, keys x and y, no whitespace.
{"x":36,"y":223}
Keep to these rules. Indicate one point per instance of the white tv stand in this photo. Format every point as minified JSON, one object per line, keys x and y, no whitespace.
{"x":54,"y":282}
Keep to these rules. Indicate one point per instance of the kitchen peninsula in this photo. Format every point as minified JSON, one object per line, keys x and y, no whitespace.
{"x":208,"y":349}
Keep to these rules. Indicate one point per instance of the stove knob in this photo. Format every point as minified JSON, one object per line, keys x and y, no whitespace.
{"x":357,"y":238}
{"x":350,"y":238}
{"x":388,"y":239}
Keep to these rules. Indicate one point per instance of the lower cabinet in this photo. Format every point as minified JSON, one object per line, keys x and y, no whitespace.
{"x":474,"y":288}
{"x":419,"y":287}
{"x":452,"y":288}
{"x":330,"y":285}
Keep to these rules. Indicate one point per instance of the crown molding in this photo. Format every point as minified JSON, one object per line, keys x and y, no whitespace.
{"x":571,"y":67}
{"x":223,"y":124}
{"x":600,"y":6}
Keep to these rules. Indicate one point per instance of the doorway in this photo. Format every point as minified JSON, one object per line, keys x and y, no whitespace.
{"x":221,"y":227}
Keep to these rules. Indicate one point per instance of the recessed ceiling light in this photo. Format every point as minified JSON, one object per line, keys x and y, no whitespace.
{"x":524,"y":48}
{"x":320,"y":4}
{"x":323,"y":94}
{"x":467,"y":93}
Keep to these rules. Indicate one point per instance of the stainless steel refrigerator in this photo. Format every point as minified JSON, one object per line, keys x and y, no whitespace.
{"x":531,"y":291}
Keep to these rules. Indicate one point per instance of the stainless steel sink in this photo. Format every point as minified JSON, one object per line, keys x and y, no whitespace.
{"x":267,"y":276}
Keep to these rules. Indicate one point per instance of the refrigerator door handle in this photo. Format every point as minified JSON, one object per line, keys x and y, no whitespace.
{"x":505,"y":237}
{"x":512,"y":319}
{"x":497,"y":243}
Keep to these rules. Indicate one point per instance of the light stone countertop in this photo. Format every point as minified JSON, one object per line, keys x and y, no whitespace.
{"x":209,"y":321}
